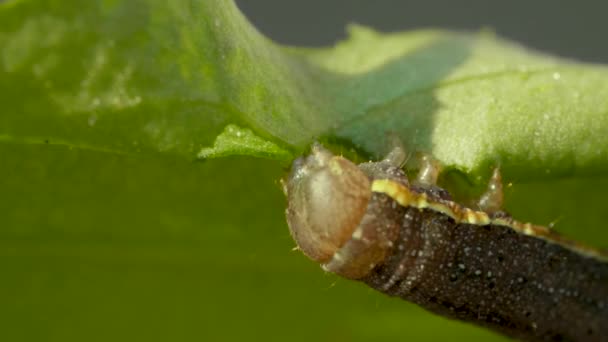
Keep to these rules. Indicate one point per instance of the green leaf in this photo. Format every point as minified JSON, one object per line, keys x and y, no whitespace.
{"x":236,"y":140}
{"x":122,"y":218}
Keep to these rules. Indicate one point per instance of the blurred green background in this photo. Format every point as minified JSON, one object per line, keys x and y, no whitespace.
{"x":99,"y":246}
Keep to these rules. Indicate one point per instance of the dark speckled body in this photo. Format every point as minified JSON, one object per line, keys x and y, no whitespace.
{"x":523,"y":286}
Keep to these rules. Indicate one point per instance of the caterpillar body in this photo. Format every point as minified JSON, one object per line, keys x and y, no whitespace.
{"x":369,"y":223}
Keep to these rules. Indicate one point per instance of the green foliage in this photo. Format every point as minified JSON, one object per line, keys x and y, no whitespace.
{"x":123,"y":216}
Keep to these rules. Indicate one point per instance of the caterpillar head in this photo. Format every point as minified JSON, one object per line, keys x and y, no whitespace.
{"x":327,"y":196}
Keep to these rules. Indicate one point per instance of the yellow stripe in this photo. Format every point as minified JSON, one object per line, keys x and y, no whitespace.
{"x":408,"y":198}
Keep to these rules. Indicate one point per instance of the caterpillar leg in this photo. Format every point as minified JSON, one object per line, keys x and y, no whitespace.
{"x":426,"y":180}
{"x":492,"y":199}
{"x":397,"y":156}
{"x":429,"y":170}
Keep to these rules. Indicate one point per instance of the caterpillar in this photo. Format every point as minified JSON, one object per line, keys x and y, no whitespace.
{"x":408,"y":239}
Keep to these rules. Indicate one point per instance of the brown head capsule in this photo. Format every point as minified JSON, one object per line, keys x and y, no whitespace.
{"x":367,"y":222}
{"x":328,"y":201}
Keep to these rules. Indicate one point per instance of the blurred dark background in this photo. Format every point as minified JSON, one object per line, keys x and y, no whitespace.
{"x":575,"y":29}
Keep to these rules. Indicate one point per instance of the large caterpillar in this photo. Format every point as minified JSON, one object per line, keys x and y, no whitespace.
{"x":368,"y":222}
